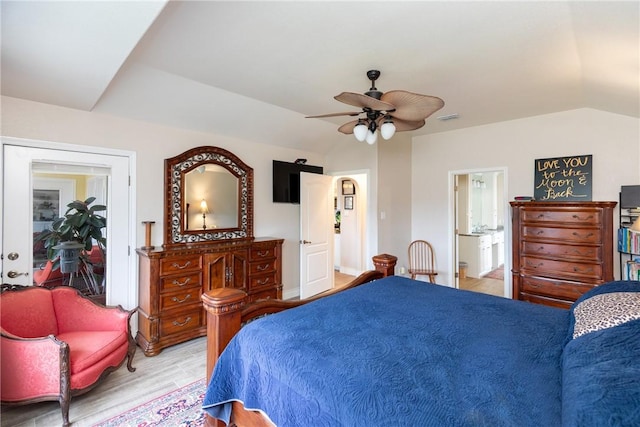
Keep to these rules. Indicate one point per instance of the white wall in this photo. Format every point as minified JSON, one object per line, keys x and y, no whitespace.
{"x":153,"y":143}
{"x":613,"y":140}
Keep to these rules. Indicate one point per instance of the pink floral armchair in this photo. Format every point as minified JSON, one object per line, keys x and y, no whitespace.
{"x":56,"y":344}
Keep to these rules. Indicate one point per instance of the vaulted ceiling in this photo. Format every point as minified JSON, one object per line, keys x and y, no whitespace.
{"x":254,"y":70}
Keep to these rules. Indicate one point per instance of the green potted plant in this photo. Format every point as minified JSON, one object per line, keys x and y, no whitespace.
{"x":81,"y":223}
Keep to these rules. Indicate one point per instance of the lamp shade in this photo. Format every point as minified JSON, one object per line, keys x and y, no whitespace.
{"x":372,"y":137}
{"x":388,"y":129}
{"x":360,"y":131}
{"x":203,"y":206}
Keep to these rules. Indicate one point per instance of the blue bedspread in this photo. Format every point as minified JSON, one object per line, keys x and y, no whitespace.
{"x":398,"y":352}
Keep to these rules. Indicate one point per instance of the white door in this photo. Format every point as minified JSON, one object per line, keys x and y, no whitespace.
{"x":17,"y":201}
{"x":316,"y":234}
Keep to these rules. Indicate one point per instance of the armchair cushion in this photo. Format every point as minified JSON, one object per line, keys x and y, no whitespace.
{"x":88,"y":348}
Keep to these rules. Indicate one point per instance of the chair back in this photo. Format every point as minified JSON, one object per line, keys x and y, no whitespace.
{"x":421,"y":257}
{"x":28,"y":312}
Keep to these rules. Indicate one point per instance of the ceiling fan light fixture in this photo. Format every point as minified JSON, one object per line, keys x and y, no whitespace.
{"x":372,"y":137}
{"x":360,"y":130}
{"x":388,"y":129}
{"x":386,"y":112}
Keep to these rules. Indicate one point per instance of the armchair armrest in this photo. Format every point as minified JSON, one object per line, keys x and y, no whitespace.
{"x":77,"y":313}
{"x":21,"y":378}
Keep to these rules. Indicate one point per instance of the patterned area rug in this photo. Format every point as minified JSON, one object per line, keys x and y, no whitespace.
{"x":179,"y":408}
{"x":498,"y":273}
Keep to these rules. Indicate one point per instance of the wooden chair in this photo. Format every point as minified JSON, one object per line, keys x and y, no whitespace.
{"x":422,"y":260}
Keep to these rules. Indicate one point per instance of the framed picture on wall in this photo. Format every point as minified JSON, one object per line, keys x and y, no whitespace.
{"x":347,"y":187}
{"x":348,"y":203}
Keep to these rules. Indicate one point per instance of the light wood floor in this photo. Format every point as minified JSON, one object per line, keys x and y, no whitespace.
{"x":155,"y":376}
{"x":483,"y":285}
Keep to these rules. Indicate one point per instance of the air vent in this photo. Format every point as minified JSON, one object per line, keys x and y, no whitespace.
{"x":448,"y":117}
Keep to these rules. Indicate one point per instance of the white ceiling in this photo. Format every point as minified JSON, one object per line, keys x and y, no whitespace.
{"x":253,"y":70}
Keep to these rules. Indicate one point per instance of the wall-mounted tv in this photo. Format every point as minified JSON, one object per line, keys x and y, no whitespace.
{"x":286,"y":180}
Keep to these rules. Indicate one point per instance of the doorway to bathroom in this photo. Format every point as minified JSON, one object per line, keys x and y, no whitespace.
{"x":479,"y":233}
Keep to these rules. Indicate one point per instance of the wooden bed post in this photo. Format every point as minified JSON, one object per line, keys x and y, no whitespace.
{"x":224,"y":311}
{"x":385,"y":264}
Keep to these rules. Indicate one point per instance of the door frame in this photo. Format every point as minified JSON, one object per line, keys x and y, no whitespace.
{"x":453,"y":237}
{"x":132,"y":291}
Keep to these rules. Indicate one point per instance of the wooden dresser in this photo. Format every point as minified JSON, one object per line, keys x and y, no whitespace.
{"x":171,"y":281}
{"x":560,"y":250}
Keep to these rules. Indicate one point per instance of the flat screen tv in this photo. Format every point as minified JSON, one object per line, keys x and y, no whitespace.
{"x":286,"y":180}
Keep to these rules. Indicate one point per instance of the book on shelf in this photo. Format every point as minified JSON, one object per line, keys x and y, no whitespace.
{"x":628,"y":241}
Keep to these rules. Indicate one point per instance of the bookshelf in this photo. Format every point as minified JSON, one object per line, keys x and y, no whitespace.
{"x":629,"y":240}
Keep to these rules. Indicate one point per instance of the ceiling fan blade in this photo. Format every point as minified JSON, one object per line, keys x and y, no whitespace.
{"x":360,"y":100}
{"x":348,"y":113}
{"x":347,"y":128}
{"x":412,"y":106}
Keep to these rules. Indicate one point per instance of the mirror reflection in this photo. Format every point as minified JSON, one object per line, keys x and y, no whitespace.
{"x":210,"y":198}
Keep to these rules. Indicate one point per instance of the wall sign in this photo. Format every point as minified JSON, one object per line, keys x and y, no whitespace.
{"x":563,"y":178}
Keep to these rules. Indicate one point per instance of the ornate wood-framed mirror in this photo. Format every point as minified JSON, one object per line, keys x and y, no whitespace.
{"x":208,"y":197}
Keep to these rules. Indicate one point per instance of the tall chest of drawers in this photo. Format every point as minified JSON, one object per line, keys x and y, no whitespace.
{"x":171,"y":282}
{"x":560,"y":250}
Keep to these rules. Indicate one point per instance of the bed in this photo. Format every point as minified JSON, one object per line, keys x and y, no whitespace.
{"x":395,"y":351}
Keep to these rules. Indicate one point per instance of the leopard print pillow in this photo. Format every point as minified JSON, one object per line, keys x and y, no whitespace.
{"x":605,"y":311}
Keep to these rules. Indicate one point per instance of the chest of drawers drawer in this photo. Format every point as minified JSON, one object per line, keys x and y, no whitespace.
{"x":568,"y":269}
{"x":180,"y":264}
{"x":182,"y":323}
{"x":262,"y":267}
{"x":569,"y":217}
{"x":262,"y":253}
{"x":265,"y":294}
{"x":174,"y":283}
{"x":568,"y":290}
{"x":264,"y":280}
{"x":169,"y":301}
{"x":580,"y":235}
{"x":559,"y":250}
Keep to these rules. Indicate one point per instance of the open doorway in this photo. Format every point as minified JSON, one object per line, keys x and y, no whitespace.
{"x":350,"y":211}
{"x":480,"y":216}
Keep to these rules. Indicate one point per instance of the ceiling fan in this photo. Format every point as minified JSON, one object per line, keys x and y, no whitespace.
{"x":389,"y":112}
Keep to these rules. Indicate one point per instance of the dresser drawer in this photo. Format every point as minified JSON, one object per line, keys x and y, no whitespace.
{"x":591,"y":253}
{"x":559,"y":289}
{"x":579,"y":235}
{"x":566,"y":216}
{"x":175,"y":283}
{"x":180,"y":263}
{"x":262,"y":253}
{"x":257,"y":282}
{"x":539,"y":299}
{"x":182,"y":323}
{"x":563,"y":269}
{"x":267,"y":266}
{"x":179,"y":299}
{"x":266,"y":294}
